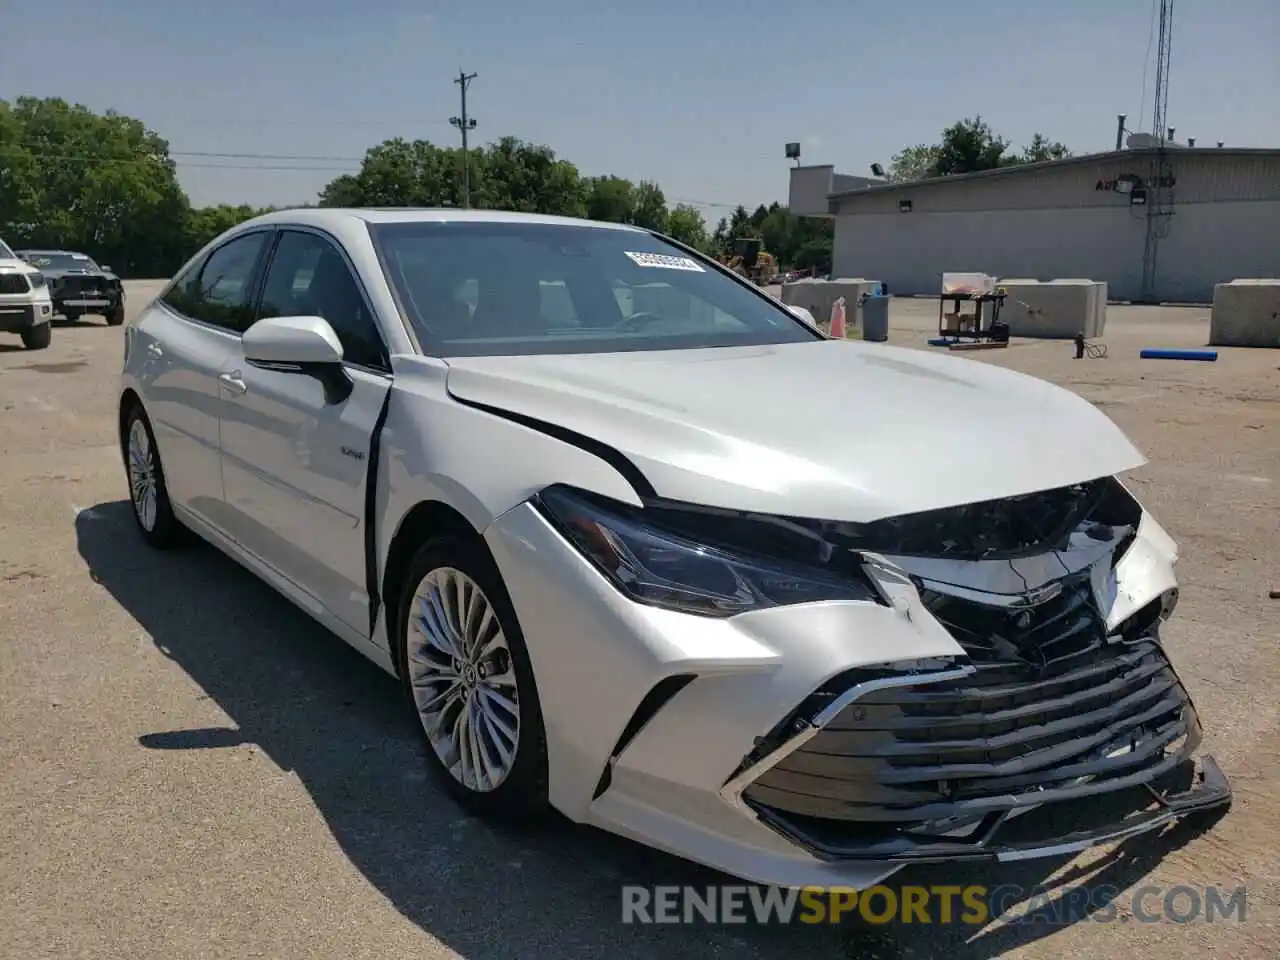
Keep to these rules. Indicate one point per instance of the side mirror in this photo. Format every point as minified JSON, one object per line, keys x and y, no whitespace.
{"x":305,"y":345}
{"x":292,"y":341}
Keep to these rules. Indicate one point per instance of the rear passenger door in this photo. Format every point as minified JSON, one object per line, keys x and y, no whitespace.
{"x":295,"y":461}
{"x":178,"y":350}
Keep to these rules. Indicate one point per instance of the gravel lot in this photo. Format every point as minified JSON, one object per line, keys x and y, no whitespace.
{"x":191,"y":768}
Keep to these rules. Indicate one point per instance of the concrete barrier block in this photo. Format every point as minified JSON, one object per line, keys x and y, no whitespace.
{"x":1058,"y":309}
{"x":1246,"y":313}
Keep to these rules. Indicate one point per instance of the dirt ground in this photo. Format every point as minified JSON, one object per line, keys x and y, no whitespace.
{"x":190,"y":768}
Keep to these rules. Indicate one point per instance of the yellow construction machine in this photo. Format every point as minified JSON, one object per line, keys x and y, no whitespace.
{"x":751,"y":260}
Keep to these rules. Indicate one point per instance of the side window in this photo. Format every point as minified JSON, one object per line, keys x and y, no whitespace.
{"x":178,"y":296}
{"x":309,"y":278}
{"x":220,"y":291}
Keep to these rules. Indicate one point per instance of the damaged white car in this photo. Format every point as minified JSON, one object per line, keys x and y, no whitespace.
{"x":644,"y":547}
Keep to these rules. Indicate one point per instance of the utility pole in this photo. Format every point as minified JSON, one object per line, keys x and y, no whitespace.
{"x":464,"y":124}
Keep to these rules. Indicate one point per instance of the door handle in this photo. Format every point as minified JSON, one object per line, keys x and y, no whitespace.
{"x":233,"y":383}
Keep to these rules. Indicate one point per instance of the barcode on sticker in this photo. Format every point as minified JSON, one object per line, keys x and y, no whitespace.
{"x":664,"y":261}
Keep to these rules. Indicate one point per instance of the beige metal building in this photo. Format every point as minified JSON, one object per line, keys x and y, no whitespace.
{"x":1101,"y":217}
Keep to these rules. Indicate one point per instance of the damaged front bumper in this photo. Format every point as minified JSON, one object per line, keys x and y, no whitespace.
{"x":1063,"y":706}
{"x":1162,"y":785}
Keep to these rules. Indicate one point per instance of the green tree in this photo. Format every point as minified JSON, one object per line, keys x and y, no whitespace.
{"x":780,"y":231}
{"x":1041,"y":148}
{"x":968,"y":146}
{"x":802,"y":243}
{"x":611,"y":199}
{"x":515,"y":175}
{"x":914,"y":163}
{"x":720,"y":237}
{"x":344,"y":191}
{"x":205,"y":223}
{"x":101,"y":183}
{"x":651,"y":207}
{"x":401,"y":173}
{"x":507,"y":175}
{"x":685,"y":224}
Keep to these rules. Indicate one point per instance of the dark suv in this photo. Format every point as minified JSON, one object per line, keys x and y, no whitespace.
{"x":78,"y":286}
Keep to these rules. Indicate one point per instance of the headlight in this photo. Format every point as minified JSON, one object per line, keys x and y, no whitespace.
{"x":664,"y":569}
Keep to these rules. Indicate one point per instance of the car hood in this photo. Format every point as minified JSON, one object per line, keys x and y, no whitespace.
{"x":54,"y":273}
{"x":836,"y":430}
{"x":12,"y":265}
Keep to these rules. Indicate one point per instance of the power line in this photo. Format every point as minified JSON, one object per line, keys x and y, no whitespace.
{"x":1146,"y":62}
{"x":175,"y":155}
{"x":146,"y":161}
{"x":261,"y":156}
{"x":38,"y":150}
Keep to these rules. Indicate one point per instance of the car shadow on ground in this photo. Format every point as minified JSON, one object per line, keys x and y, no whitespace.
{"x":320,"y":710}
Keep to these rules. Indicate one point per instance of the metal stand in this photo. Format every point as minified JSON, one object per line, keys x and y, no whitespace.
{"x":982,"y":323}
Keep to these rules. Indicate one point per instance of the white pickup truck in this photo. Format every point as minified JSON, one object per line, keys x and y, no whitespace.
{"x":25,"y":306}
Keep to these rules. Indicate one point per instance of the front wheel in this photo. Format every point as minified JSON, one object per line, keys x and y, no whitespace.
{"x":467,"y":673}
{"x":147,"y":491}
{"x":115,"y":315}
{"x":38,"y":337}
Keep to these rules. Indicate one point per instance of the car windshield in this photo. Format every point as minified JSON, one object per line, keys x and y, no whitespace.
{"x":5,"y":252}
{"x":509,"y":289}
{"x":58,"y":261}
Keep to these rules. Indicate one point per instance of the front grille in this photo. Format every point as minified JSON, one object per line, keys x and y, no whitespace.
{"x":77,"y":286}
{"x":13,"y":283}
{"x":1053,"y":704}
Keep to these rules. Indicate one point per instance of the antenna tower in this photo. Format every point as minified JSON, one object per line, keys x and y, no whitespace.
{"x":1161,"y":182}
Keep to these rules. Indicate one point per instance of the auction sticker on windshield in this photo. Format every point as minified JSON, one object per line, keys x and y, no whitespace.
{"x":664,"y":261}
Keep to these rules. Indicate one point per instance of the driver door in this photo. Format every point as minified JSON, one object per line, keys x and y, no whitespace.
{"x":295,"y":461}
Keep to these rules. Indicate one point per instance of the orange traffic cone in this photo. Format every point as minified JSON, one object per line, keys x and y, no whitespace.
{"x":837,"y":319}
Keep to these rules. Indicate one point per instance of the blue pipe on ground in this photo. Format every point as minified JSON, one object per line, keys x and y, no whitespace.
{"x":1156,"y":354}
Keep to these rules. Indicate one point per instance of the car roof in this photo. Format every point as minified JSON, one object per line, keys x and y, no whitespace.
{"x":64,"y":253}
{"x":331,"y":216}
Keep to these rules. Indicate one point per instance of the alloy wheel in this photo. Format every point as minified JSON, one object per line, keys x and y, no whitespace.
{"x":463,"y":680}
{"x":142,"y":475}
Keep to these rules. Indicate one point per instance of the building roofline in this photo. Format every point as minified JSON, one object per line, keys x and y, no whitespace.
{"x":1082,"y":160}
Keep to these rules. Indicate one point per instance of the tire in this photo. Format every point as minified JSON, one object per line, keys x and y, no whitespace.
{"x":154,"y":516}
{"x":115,"y":316}
{"x":38,"y":337}
{"x":517,"y":793}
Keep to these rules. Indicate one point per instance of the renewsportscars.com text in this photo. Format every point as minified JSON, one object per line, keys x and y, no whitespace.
{"x":940,"y":904}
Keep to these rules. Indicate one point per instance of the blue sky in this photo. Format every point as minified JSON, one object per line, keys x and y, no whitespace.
{"x":699,"y":97}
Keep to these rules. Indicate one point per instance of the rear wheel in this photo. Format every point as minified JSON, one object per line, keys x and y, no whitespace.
{"x":38,"y":337}
{"x":466,"y":670}
{"x":147,"y":491}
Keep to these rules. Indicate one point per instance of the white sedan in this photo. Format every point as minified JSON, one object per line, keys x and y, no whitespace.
{"x":567,"y":482}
